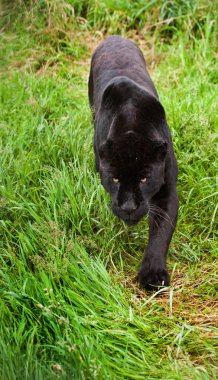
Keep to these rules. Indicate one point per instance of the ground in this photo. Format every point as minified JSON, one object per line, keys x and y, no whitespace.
{"x":70,"y":303}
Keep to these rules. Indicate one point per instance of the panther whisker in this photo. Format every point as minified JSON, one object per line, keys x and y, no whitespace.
{"x":150,"y":216}
{"x":161,"y":213}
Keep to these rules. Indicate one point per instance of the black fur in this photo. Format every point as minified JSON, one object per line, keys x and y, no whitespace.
{"x":133,"y":149}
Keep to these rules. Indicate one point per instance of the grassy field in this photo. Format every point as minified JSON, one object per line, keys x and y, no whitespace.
{"x":70,"y":307}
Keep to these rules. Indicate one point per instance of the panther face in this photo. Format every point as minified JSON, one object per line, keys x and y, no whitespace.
{"x":132,"y":171}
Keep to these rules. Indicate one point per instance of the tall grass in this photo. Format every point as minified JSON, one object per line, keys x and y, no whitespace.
{"x":70,"y":307}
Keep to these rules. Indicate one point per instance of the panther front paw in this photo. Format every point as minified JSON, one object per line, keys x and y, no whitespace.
{"x":153,"y":278}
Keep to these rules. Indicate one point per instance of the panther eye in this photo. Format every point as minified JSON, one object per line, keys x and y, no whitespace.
{"x":143,"y":180}
{"x":115,"y":180}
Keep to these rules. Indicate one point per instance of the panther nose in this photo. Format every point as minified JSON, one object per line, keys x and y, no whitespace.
{"x":129,"y":206}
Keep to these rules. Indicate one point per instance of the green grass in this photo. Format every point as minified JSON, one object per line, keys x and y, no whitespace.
{"x":70,"y":307}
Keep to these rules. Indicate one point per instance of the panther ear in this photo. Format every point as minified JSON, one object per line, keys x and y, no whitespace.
{"x":105,"y":149}
{"x":117,"y":91}
{"x":122,"y":89}
{"x":159,"y":149}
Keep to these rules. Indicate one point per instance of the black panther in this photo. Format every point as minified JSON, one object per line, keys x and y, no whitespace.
{"x":133,"y":149}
